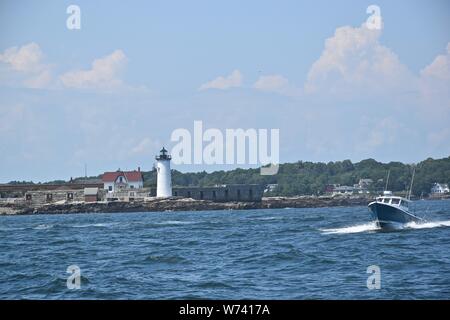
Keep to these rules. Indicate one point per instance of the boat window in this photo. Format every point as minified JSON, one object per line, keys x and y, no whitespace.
{"x":395,"y":201}
{"x":405,"y":204}
{"x":386,"y":200}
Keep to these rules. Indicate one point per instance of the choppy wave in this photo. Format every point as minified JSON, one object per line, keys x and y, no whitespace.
{"x":12,"y":228}
{"x":87,"y":225}
{"x":267,"y":218}
{"x":174,"y":222}
{"x":369,"y":227}
{"x":213,"y":285}
{"x":43,"y":227}
{"x":217,"y":255}
{"x":167,"y":259}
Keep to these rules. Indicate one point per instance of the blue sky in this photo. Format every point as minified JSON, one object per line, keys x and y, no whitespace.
{"x":111,"y":93}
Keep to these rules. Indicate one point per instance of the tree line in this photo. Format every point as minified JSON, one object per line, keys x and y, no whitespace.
{"x":311,"y":178}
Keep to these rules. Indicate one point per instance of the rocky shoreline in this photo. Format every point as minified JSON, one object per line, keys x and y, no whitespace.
{"x":177,"y":204}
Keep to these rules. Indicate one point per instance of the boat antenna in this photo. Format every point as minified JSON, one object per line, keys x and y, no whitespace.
{"x":387,"y":180}
{"x":412,"y":180}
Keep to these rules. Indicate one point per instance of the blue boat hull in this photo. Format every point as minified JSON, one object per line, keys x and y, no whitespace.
{"x":390,"y":217}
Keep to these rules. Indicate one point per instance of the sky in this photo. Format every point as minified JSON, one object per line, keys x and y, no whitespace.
{"x":110,"y":94}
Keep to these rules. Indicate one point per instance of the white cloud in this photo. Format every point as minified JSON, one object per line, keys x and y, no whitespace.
{"x":39,"y":81}
{"x":276,"y":83}
{"x":25,"y":67}
{"x":384,"y":132}
{"x":27,"y":61}
{"x":104,"y":73}
{"x":223,"y":83}
{"x":26,"y":58}
{"x":145,"y":146}
{"x":434,"y":89}
{"x":354,"y":61}
{"x":439,"y":68}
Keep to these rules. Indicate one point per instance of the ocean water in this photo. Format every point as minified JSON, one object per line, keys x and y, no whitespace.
{"x":317,"y":253}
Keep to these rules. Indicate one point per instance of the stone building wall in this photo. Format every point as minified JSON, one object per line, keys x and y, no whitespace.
{"x":51,"y":196}
{"x":223,"y":193}
{"x":129,"y":194}
{"x":242,"y":192}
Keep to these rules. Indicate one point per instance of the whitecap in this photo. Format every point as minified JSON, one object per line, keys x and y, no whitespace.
{"x":94,"y":225}
{"x":43,"y":227}
{"x":267,"y":218}
{"x":12,"y":229}
{"x":173,"y":222}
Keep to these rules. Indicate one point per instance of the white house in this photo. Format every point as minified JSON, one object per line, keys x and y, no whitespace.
{"x":270,"y":187}
{"x":364,"y":183}
{"x":119,"y":180}
{"x":347,"y":190}
{"x":439,"y":188}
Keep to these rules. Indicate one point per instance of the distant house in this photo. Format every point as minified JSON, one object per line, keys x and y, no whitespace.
{"x":343,"y":190}
{"x":362,"y":186}
{"x":329,"y":188}
{"x":439,"y":188}
{"x":119,"y":180}
{"x":91,"y":194}
{"x":270,"y":187}
{"x":364,"y":183}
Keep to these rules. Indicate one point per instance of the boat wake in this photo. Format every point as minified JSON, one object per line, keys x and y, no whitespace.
{"x":371,"y":226}
{"x":366,"y":227}
{"x":428,"y":224}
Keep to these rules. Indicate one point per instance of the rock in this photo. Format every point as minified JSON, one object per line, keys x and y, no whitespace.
{"x":180,"y":204}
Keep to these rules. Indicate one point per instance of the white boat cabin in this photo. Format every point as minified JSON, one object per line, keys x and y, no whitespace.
{"x":394,"y":201}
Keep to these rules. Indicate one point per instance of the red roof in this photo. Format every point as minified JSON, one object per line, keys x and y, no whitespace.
{"x":131,"y":176}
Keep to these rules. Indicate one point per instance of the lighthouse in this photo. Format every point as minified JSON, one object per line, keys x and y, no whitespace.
{"x":164,"y":178}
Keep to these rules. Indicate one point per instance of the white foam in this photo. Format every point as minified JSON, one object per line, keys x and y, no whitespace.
{"x":366,"y":227}
{"x":174,"y":222}
{"x":267,"y":218}
{"x":428,"y":225}
{"x":43,"y":227}
{"x":11,"y":229}
{"x":371,"y":226}
{"x":94,"y":225}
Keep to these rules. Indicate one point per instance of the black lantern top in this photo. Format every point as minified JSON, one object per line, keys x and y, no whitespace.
{"x":163,"y":155}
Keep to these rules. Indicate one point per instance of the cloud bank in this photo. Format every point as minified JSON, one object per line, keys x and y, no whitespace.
{"x":223,"y":83}
{"x":27,"y":62}
{"x":103,"y":74}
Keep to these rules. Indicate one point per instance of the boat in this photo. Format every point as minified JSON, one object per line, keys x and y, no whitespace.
{"x":393,"y":212}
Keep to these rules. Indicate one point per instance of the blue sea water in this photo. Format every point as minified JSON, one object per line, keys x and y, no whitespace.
{"x":317,"y":253}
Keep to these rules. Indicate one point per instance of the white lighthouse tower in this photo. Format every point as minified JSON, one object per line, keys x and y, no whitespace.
{"x":164,"y":178}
